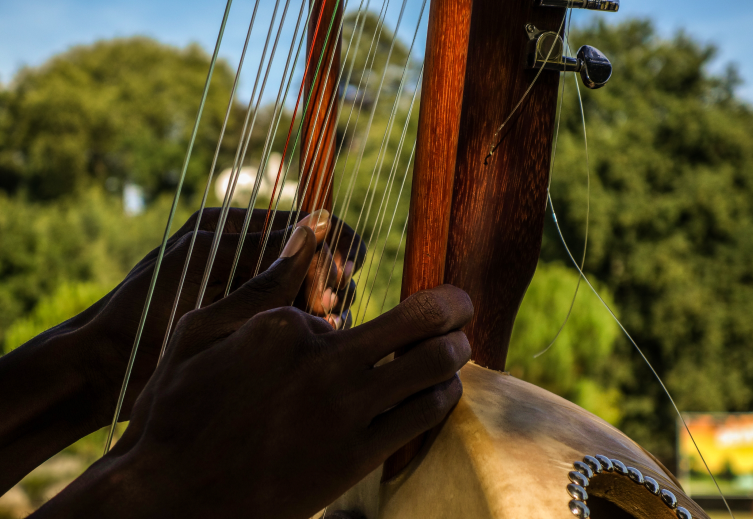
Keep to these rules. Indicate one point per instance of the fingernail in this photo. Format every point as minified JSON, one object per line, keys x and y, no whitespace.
{"x":335,"y":321}
{"x":326,"y":298}
{"x":294,"y":244}
{"x":317,"y":220}
{"x":329,"y":299}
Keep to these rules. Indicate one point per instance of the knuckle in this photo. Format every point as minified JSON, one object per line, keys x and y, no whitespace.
{"x":431,"y":409}
{"x":443,"y":358}
{"x":430,"y":311}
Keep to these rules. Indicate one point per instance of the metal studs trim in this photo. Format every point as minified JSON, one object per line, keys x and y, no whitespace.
{"x":635,"y":475}
{"x":620,"y":467}
{"x":651,"y":484}
{"x":591,"y":465}
{"x":583,"y":469}
{"x":577,"y":492}
{"x":578,"y":478}
{"x":579,"y":509}
{"x":606,"y":463}
{"x":669,"y":498}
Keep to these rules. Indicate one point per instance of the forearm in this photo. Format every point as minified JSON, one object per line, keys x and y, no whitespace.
{"x":47,"y":400}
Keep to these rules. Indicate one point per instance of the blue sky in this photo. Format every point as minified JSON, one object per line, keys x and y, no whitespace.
{"x":33,"y":30}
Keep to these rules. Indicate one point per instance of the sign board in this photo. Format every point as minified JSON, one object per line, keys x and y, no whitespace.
{"x":726,"y":442}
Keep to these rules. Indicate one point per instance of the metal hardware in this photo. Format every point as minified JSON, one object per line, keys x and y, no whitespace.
{"x":669,"y":498}
{"x":635,"y":475}
{"x":577,"y":492}
{"x":606,"y":463}
{"x":593,"y":463}
{"x":579,"y":509}
{"x":683,"y":513}
{"x":620,"y":467}
{"x":578,"y":478}
{"x":651,"y":484}
{"x":593,"y":5}
{"x":583,"y":469}
{"x":545,"y":50}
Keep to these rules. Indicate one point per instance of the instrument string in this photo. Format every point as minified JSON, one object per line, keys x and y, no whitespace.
{"x":588,"y":185}
{"x":243,"y":143}
{"x":583,"y":277}
{"x":376,"y":36}
{"x":296,"y":207}
{"x":376,"y":172}
{"x":283,"y":171}
{"x":392,"y":219}
{"x":184,"y":273}
{"x":385,"y":203}
{"x":166,"y":236}
{"x":496,"y":143}
{"x":639,"y":350}
{"x":267,"y":155}
{"x":399,"y":245}
{"x":367,"y":131}
{"x":267,"y":149}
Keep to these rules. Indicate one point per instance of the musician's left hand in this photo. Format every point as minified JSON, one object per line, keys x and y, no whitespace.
{"x":64,"y":383}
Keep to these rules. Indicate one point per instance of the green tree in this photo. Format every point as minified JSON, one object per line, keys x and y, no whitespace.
{"x":116,"y":111}
{"x":671,"y":228}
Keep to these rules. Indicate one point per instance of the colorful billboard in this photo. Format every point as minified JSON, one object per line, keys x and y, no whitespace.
{"x":726,"y":442}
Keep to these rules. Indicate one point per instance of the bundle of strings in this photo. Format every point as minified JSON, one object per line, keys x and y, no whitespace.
{"x":326,"y":110}
{"x":376,"y":224}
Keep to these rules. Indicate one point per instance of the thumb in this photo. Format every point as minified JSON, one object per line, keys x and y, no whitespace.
{"x":273,"y":288}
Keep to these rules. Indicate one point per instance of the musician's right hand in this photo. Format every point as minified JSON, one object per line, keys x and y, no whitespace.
{"x":262,"y":410}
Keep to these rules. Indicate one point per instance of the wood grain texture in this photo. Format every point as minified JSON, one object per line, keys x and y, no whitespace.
{"x":436,"y":147}
{"x":317,"y":168}
{"x":498,"y":208}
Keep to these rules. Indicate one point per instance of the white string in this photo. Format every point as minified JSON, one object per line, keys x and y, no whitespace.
{"x":640,"y":352}
{"x":385,"y":202}
{"x":200,"y":213}
{"x":166,"y":235}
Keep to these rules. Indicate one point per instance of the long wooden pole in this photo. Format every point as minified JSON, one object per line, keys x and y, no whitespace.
{"x":436,"y":146}
{"x":317,"y":173}
{"x":478,"y":223}
{"x":498,"y":205}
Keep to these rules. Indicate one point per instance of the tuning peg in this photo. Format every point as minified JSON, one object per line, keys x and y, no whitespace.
{"x":545,"y":50}
{"x":593,"y":5}
{"x":595,"y":68}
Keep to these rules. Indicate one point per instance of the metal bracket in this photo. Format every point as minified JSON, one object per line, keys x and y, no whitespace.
{"x":594,"y":5}
{"x":545,"y":49}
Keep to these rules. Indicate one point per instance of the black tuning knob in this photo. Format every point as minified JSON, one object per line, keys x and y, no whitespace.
{"x":545,"y":50}
{"x":595,"y":68}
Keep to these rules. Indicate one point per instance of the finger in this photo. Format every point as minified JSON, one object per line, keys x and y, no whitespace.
{"x":318,"y":221}
{"x":391,"y":430}
{"x":345,"y":298}
{"x":429,"y":363}
{"x":425,"y":314}
{"x":348,"y":245}
{"x":319,"y":295}
{"x":275,"y":287}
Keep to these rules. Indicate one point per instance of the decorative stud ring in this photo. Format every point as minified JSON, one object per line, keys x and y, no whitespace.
{"x":591,"y":465}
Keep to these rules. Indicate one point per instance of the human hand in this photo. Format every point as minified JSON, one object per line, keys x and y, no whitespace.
{"x":112,"y":322}
{"x":261,"y":409}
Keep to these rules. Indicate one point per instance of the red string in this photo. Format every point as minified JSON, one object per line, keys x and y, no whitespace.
{"x":292,"y":123}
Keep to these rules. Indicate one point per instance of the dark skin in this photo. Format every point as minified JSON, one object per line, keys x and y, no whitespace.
{"x":262,"y":409}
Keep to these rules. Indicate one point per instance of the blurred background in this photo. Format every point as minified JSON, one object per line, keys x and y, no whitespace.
{"x":97,"y":102}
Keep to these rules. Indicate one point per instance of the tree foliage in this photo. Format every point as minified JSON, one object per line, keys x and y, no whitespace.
{"x":120,"y":109}
{"x":671,"y":228}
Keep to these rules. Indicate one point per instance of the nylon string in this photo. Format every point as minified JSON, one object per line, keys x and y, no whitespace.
{"x":166,"y":236}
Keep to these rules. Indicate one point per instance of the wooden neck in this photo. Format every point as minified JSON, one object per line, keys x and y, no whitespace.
{"x":476,"y":223}
{"x":317,"y":167}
